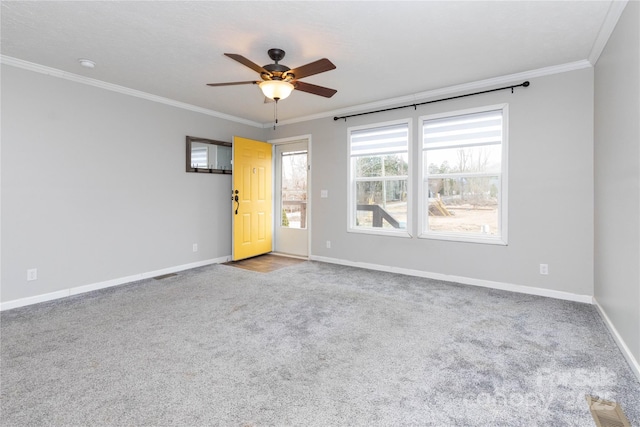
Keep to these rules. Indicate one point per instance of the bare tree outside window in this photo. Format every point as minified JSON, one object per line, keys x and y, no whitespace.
{"x":463,"y":162}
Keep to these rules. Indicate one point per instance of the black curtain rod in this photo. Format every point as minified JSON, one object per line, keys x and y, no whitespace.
{"x":525,"y":84}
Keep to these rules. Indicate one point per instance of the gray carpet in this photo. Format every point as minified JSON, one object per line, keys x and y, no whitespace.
{"x":312,"y":344}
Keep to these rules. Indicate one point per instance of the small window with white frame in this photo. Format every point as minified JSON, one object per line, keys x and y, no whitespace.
{"x":463,"y":193}
{"x":379,"y":171}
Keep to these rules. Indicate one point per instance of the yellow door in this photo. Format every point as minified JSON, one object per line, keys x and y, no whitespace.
{"x":252,"y":208}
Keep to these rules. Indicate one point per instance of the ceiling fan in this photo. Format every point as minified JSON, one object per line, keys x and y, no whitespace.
{"x":278,"y":81}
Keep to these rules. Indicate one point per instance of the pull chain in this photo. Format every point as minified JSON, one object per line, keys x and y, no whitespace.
{"x":275,"y":113}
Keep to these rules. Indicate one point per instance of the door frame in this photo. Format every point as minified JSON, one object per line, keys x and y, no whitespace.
{"x":284,"y":141}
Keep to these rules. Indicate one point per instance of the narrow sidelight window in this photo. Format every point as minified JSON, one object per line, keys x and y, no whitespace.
{"x":294,"y":189}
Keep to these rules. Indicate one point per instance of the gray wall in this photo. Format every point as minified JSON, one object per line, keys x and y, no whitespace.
{"x":135,"y":210}
{"x":550,"y":191}
{"x":94,"y":186}
{"x":617,"y":178}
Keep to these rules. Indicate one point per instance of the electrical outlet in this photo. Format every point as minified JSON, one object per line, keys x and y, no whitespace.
{"x":544,"y":269}
{"x":32,"y":274}
{"x":195,"y":247}
{"x":328,"y":244}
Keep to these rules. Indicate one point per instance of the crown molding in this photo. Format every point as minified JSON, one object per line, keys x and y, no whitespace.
{"x":54,"y":72}
{"x":417,"y":97}
{"x":610,"y":21}
{"x":422,"y":96}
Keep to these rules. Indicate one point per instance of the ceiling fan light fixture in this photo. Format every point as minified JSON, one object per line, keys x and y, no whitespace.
{"x":276,"y":89}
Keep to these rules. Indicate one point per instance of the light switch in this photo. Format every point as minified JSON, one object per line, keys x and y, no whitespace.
{"x":324,"y":193}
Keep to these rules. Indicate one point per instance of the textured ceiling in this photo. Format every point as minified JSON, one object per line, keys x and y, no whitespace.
{"x":382,"y":49}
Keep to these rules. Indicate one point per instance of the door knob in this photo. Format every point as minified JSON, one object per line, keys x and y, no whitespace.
{"x":236,"y":199}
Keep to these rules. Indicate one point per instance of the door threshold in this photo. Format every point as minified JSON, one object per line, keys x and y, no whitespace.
{"x":282,"y":254}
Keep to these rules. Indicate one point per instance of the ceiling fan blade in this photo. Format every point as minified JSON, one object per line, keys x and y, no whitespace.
{"x":232,"y":83}
{"x":319,"y":66}
{"x":314,"y":89}
{"x":244,"y":61}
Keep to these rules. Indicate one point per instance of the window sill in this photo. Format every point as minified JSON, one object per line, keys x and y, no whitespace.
{"x":390,"y":233}
{"x":464,"y":238}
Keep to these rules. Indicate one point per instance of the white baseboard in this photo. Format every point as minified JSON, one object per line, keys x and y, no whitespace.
{"x":626,"y":352}
{"x":588,"y":299}
{"x":21,"y":302}
{"x":33,"y":300}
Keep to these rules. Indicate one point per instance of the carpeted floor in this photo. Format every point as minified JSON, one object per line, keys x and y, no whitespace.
{"x":311,"y":344}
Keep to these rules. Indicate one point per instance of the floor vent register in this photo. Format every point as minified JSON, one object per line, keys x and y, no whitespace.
{"x":607,"y":413}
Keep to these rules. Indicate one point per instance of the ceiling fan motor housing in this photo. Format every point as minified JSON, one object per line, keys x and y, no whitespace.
{"x":276,"y":54}
{"x":276,"y":71}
